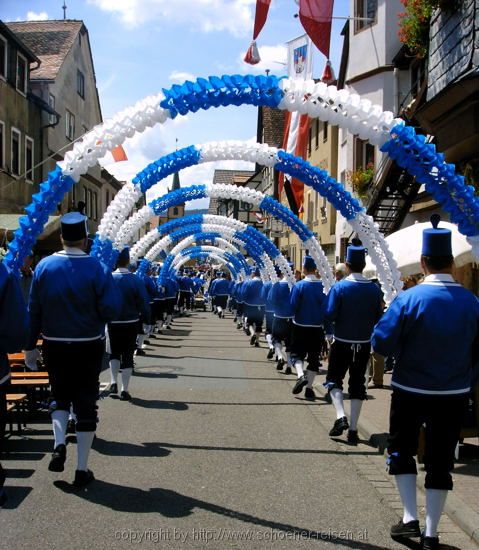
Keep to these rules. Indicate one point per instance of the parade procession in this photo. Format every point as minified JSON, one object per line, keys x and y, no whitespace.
{"x":209,"y":340}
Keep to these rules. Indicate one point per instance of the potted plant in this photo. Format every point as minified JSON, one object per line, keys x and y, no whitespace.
{"x":361,"y":180}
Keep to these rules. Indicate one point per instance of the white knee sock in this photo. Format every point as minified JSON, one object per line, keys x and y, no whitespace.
{"x":125,"y":378}
{"x":310,"y":375}
{"x":114,"y":370}
{"x":141,"y":341}
{"x":356,"y":405}
{"x":278,"y":348}
{"x":84,"y":442}
{"x":72,"y":415}
{"x":59,"y":423}
{"x":337,"y":399}
{"x":251,"y":330}
{"x":435,"y":501}
{"x":406,"y":484}
{"x":298,"y":365}
{"x":269,"y":340}
{"x":168,"y":320}
{"x":287,"y":356}
{"x":220,"y":310}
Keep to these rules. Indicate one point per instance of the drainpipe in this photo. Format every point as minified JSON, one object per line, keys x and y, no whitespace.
{"x":396,"y":90}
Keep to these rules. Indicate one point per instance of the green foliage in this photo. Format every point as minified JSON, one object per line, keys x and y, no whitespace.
{"x":361,"y":180}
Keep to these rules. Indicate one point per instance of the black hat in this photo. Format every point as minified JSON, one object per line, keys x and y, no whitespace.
{"x":355,"y":253}
{"x":74,"y":227}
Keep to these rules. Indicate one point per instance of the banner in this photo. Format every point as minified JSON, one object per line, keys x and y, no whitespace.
{"x":262,"y":7}
{"x":316,"y":18}
{"x":296,"y":131}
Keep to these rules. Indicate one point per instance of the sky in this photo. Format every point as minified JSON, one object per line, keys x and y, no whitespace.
{"x":142,"y":46}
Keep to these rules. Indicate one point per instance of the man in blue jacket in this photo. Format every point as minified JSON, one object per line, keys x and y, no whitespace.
{"x":269,"y":316}
{"x":308,"y":303}
{"x":252,"y":295}
{"x":221,"y":291}
{"x":354,"y":307}
{"x":135,"y":303}
{"x":71,"y":299}
{"x":432,"y":330}
{"x":13,"y":334}
{"x":280,"y":298}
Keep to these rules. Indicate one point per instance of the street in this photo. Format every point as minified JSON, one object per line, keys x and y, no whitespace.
{"x":213,"y":452}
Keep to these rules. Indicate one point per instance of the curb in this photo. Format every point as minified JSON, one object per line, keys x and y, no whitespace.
{"x":459,"y":512}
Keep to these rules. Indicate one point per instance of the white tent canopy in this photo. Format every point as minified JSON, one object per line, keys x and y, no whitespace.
{"x":406,"y":244}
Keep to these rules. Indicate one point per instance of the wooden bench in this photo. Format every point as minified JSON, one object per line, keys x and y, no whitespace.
{"x":16,"y":403}
{"x":29,"y":374}
{"x":31,"y":385}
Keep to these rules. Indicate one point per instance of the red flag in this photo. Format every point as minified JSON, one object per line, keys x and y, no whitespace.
{"x":119,"y":154}
{"x":262,"y":7}
{"x":316,"y":18}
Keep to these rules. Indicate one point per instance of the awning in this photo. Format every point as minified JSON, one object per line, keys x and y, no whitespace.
{"x":9,"y":224}
{"x":405,"y":246}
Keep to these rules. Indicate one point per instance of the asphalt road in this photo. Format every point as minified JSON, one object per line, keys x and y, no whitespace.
{"x":213,"y":452}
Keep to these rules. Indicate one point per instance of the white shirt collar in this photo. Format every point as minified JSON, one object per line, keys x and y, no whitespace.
{"x":74,"y":251}
{"x":311,"y":278}
{"x":439,"y":278}
{"x":357,"y":277}
{"x":122,"y":270}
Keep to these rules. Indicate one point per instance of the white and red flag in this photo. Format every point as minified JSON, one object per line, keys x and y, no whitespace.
{"x":316,"y":16}
{"x":296,"y":131}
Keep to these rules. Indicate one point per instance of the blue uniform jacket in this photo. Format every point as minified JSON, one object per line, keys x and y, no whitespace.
{"x":13,"y":320}
{"x":308,"y":302}
{"x":73,"y":296}
{"x":134,"y":297}
{"x":354,"y":307}
{"x":268,"y":306}
{"x":280,"y":296}
{"x":252,"y":292}
{"x":222,"y":287}
{"x":170,"y":288}
{"x":433,"y":331}
{"x":151,"y":288}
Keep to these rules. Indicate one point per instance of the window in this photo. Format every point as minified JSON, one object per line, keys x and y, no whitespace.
{"x":2,"y":144}
{"x":364,"y":154}
{"x":366,"y":11}
{"x":29,"y":159}
{"x":80,"y":84}
{"x":316,"y":133}
{"x":175,"y":211}
{"x":51,"y":103}
{"x":310,"y":138}
{"x":70,"y":125}
{"x":3,"y":58}
{"x":95,"y":206}
{"x":89,"y":203}
{"x":22,"y":74}
{"x":107,"y":200}
{"x":15,"y":156}
{"x":325,"y":132}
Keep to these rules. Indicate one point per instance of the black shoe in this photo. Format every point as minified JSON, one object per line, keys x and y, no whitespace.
{"x":125,"y":396}
{"x":270,"y":354}
{"x":140,"y":352}
{"x":147,"y":342}
{"x":256,"y":343}
{"x":353,"y":437}
{"x":114,"y":388}
{"x":406,"y":530}
{"x":3,"y":497}
{"x":57,"y":462}
{"x":430,"y":543}
{"x":340,"y":426}
{"x":71,"y":426}
{"x":300,"y":383}
{"x":309,"y":393}
{"x":168,"y":327}
{"x":252,"y":340}
{"x":280,"y":364}
{"x":82,"y":478}
{"x":288,"y":370}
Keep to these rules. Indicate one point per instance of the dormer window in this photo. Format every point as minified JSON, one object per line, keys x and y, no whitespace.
{"x":22,"y":74}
